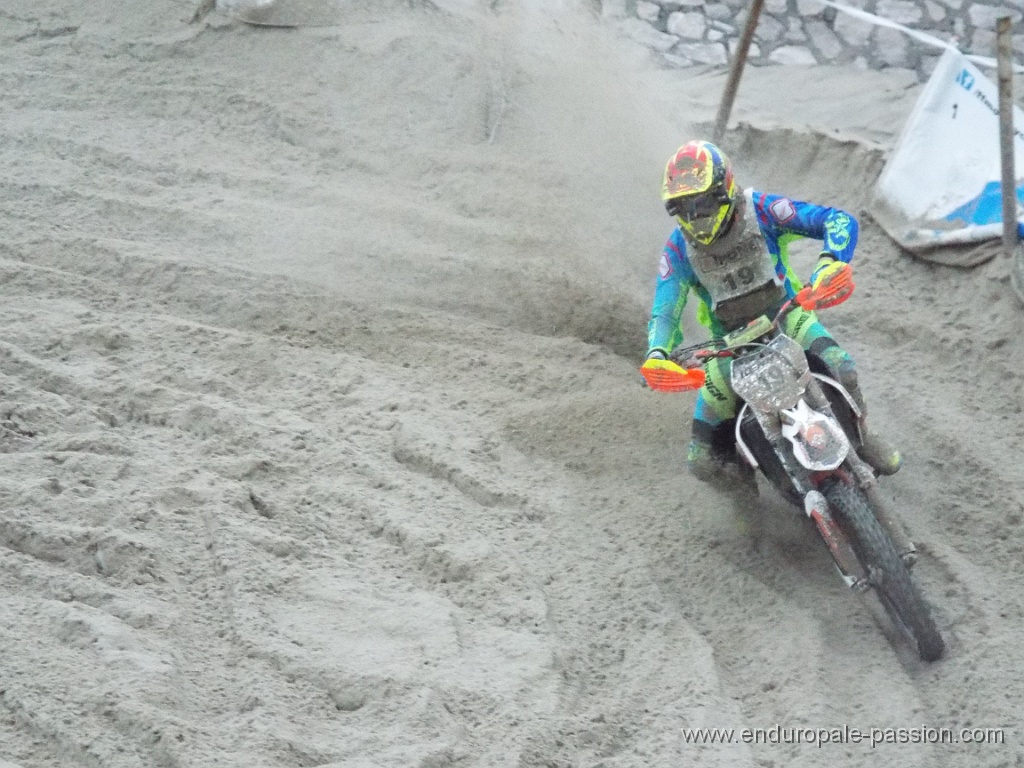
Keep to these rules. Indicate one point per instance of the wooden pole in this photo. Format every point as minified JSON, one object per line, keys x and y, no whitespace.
{"x":739,"y":60}
{"x":1004,"y":59}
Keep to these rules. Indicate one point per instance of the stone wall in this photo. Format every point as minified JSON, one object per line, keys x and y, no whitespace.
{"x":689,"y":32}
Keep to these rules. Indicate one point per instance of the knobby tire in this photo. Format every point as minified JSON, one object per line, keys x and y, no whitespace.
{"x":886,"y":571}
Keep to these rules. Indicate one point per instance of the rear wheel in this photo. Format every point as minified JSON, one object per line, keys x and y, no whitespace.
{"x":886,"y":571}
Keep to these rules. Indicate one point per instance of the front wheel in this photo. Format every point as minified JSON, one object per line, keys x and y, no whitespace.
{"x":886,"y":571}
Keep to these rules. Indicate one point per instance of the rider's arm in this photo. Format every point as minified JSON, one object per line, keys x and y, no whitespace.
{"x":836,"y":228}
{"x":675,"y":278}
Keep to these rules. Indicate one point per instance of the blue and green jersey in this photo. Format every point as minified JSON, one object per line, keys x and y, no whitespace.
{"x":781,"y":221}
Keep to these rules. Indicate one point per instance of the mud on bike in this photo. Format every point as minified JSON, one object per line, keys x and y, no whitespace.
{"x":800,"y":428}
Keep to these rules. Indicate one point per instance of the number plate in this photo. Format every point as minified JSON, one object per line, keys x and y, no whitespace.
{"x":774,"y":377}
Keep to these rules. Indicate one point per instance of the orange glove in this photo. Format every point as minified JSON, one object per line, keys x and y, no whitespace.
{"x":826,"y":268}
{"x":665,"y":376}
{"x":831,"y":284}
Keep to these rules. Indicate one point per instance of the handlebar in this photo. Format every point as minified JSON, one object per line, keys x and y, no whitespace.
{"x":683,"y":368}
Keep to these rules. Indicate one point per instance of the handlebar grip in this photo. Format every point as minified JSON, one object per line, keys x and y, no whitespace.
{"x":667,"y":376}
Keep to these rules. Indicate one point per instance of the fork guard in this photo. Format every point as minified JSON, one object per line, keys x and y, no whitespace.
{"x":847,"y":563}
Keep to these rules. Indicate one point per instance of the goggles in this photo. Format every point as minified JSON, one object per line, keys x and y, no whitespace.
{"x":702,"y":216}
{"x":693,"y":208}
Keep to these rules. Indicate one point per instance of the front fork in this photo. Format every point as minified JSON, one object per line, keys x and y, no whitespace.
{"x":865,"y":478}
{"x":817,"y":508}
{"x":869,"y":484}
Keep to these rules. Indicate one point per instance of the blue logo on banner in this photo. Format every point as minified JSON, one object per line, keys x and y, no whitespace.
{"x":965,"y":79}
{"x":986,"y":208}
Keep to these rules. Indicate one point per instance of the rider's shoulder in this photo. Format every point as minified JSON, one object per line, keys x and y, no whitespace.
{"x":776,"y":209}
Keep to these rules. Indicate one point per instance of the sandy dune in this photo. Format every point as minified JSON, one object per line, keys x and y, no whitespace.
{"x":322,"y":438}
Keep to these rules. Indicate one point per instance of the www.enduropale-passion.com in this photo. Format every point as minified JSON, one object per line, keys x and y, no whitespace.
{"x":845,"y":734}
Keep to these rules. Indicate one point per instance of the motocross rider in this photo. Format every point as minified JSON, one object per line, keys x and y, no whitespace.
{"x":730,"y":249}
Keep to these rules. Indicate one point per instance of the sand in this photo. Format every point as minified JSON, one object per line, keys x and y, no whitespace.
{"x":323,"y":442}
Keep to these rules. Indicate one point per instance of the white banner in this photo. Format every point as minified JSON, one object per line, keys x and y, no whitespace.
{"x":941,"y":185}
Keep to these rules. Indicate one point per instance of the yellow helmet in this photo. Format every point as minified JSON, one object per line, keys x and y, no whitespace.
{"x":699,"y":190}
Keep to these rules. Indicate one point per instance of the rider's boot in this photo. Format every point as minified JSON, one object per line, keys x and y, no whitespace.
{"x":879,"y":452}
{"x":882,"y":455}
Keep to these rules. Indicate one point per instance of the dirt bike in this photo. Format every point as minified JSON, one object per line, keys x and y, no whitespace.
{"x":801,"y":428}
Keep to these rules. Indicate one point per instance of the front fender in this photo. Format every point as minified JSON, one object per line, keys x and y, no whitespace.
{"x":818,"y":442}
